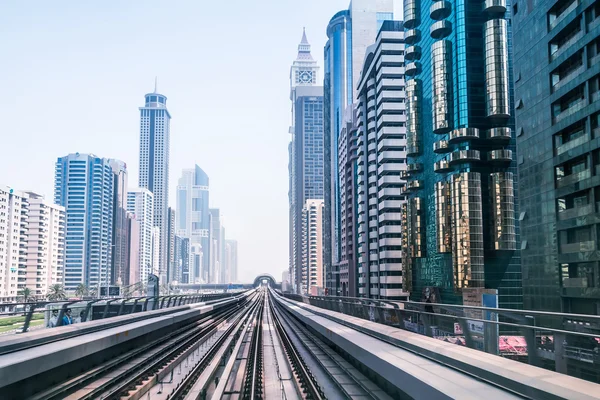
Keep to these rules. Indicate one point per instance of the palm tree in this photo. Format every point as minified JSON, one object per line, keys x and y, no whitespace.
{"x":26,"y":293}
{"x":56,"y":292}
{"x":81,"y":290}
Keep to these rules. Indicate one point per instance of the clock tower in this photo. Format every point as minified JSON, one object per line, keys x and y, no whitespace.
{"x":304,"y":70}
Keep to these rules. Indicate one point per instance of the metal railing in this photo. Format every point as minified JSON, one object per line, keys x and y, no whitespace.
{"x":545,"y":334}
{"x":93,"y":309}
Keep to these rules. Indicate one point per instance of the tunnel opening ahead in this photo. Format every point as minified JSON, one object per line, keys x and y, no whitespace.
{"x":265,"y":277}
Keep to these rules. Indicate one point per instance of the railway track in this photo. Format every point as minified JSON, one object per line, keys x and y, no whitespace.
{"x":128,"y":374}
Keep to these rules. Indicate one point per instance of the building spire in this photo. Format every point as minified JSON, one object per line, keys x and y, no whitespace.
{"x":155,"y":84}
{"x":304,"y":48}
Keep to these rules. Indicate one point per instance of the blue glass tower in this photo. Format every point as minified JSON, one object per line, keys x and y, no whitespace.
{"x":84,"y":185}
{"x":459,"y":226}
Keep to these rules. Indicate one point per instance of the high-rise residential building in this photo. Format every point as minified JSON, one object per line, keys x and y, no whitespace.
{"x":14,"y":208}
{"x":306,"y":147}
{"x":557,"y":92}
{"x":347,"y":158}
{"x":181,"y":260}
{"x":349,"y":34}
{"x":155,"y":131}
{"x":156,"y":251}
{"x":216,"y":249}
{"x":381,"y":121}
{"x":171,"y":245}
{"x":133,"y":236}
{"x":120,"y":253}
{"x":460,"y":233}
{"x":313,"y":281}
{"x":231,"y":261}
{"x":45,"y":244}
{"x":84,"y":185}
{"x":193,"y":218}
{"x":140,"y":203}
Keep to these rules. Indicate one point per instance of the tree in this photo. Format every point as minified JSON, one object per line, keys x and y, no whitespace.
{"x":56,"y":292}
{"x":81,"y":290}
{"x":26,"y":294}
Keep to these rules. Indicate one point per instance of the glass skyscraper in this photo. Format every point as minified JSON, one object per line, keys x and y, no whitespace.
{"x":557,"y":90}
{"x":349,"y":34}
{"x":459,"y":223}
{"x":155,"y":131}
{"x":193,"y":219}
{"x":84,"y":185}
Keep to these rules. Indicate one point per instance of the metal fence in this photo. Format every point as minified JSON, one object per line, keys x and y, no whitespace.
{"x":67,"y":312}
{"x":535,"y":337}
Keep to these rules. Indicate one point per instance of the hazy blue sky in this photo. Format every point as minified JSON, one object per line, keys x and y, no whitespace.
{"x":73,"y":76}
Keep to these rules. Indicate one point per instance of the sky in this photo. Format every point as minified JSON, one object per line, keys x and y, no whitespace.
{"x":73,"y":75}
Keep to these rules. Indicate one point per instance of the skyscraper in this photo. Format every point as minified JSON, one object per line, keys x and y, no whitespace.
{"x":133,"y":265}
{"x":349,"y":34}
{"x":120,"y":253}
{"x":155,"y":127}
{"x":171,"y":245}
{"x":557,"y":93}
{"x":45,"y":244}
{"x":460,"y":233}
{"x":140,"y":203}
{"x":312,"y":251}
{"x":216,"y":249}
{"x":13,"y":242}
{"x":231,"y":261}
{"x":84,"y":185}
{"x":306,"y":146}
{"x":381,"y":118}
{"x":182,"y":259}
{"x":193,"y":218}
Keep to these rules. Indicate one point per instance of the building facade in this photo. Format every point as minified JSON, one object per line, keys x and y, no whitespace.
{"x":182,"y":260}
{"x":313,"y":279}
{"x":156,"y":252}
{"x":171,"y":245}
{"x":120,"y":253}
{"x":557,"y":90}
{"x":381,"y":121}
{"x":459,"y":222}
{"x":216,"y":248}
{"x":306,"y":146}
{"x":347,"y":158}
{"x":140,"y":203}
{"x":84,"y":186}
{"x":155,"y":131}
{"x":133,"y":237}
{"x":14,"y":208}
{"x":349,"y":34}
{"x":231,"y":261}
{"x":193,"y":218}
{"x":45,"y":244}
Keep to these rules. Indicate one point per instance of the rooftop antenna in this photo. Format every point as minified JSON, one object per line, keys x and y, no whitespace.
{"x":155,"y":83}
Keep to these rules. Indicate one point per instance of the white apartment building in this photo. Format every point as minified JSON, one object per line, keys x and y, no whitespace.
{"x":140,"y":202}
{"x":45,"y":249}
{"x":13,"y":242}
{"x":313,"y":279}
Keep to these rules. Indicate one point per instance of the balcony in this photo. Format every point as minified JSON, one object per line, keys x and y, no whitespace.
{"x":559,"y":50}
{"x":494,"y":6}
{"x":461,"y":156}
{"x":502,"y":134}
{"x":463,"y":134}
{"x":569,"y":76}
{"x":412,"y":36}
{"x":576,"y":212}
{"x":573,"y":108}
{"x":573,"y":178}
{"x":415,"y":167}
{"x":440,"y":10}
{"x":500,"y":156}
{"x":412,"y":53}
{"x":412,"y":68}
{"x":578,"y":247}
{"x":556,"y":19}
{"x":413,"y":186}
{"x":440,"y":29}
{"x":442,"y":166}
{"x":441,"y":147}
{"x":571,"y":144}
{"x":575,"y":283}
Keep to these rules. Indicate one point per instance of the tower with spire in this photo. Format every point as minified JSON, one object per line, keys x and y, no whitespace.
{"x":304,"y":70}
